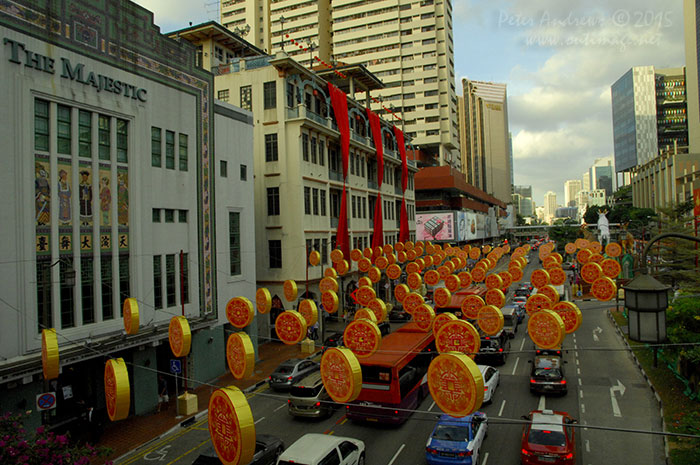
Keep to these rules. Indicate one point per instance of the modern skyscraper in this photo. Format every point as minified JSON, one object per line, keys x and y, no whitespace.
{"x":691,"y":19}
{"x":601,"y":175}
{"x":571,"y":189}
{"x":586,"y":181}
{"x":484,"y":137}
{"x":525,"y":200}
{"x":550,"y":206}
{"x":406,"y":43}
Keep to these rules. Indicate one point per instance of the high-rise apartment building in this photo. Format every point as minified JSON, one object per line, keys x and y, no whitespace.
{"x":571,"y":190}
{"x":550,"y":206}
{"x":406,"y":43}
{"x":586,"y":181}
{"x":691,"y":19}
{"x":484,"y":137}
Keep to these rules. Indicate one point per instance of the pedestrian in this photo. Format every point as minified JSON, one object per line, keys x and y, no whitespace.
{"x":314,"y":331}
{"x":162,"y":392}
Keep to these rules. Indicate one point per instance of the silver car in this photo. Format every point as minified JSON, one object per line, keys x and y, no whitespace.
{"x":309,"y":398}
{"x":291,"y":371}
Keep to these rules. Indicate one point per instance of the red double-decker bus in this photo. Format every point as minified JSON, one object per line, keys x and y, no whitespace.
{"x":394,"y":380}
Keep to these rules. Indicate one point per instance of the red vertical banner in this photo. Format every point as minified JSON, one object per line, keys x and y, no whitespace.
{"x":342,"y":234}
{"x":403,"y":225}
{"x":696,"y":202}
{"x":378,"y":234}
{"x":339,"y":102}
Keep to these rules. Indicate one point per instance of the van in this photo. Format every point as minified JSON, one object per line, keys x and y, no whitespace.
{"x":317,"y":449}
{"x":510,"y":320}
{"x":308,"y":398}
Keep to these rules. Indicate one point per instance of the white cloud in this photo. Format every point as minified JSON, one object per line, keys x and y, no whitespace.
{"x":171,"y":15}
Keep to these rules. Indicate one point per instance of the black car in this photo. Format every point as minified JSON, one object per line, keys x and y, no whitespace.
{"x":547,"y":375}
{"x":267,"y":449}
{"x":398,"y":314}
{"x":523,"y":291}
{"x":334,"y":340}
{"x":494,"y":349}
{"x":291,"y":371}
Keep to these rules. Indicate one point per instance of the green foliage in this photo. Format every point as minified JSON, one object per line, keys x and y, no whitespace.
{"x":683,"y":326}
{"x":520,"y":220}
{"x":562,"y":234}
{"x":676,"y":261}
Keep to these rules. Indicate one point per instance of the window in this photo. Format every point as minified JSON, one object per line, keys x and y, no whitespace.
{"x":244,"y":173}
{"x":321,"y":153}
{"x":85,"y":134}
{"x":219,"y":53}
{"x":290,"y":94}
{"x":66,"y":292}
{"x":107,"y":293}
{"x":170,"y":150}
{"x":353,"y":207}
{"x":313,"y":150}
{"x":275,"y":251}
{"x":352,"y":163}
{"x":223,"y":95}
{"x":124,"y":285}
{"x":169,"y":215}
{"x":305,"y":146}
{"x":41,"y":127}
{"x":271,"y":147}
{"x":323,"y":202}
{"x":185,"y":271}
{"x":307,"y":200}
{"x":156,"y":215}
{"x":234,"y":243}
{"x":182,"y":216}
{"x":324,"y":249}
{"x":223,"y":168}
{"x":122,"y":141}
{"x":315,"y":197}
{"x":43,"y":293}
{"x":273,"y":201}
{"x":170,"y":280}
{"x":63,"y":129}
{"x":87,"y":275}
{"x":157,"y":282}
{"x":247,"y":98}
{"x":364,"y":207}
{"x":104,"y":137}
{"x":270,"y":94}
{"x":156,"y":149}
{"x":183,"y":152}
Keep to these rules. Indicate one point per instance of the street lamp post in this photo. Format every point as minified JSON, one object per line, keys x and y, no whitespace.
{"x":282,"y":20}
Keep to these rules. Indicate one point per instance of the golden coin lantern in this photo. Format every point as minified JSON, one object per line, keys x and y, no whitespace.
{"x":539,"y":278}
{"x":231,"y":426}
{"x":377,"y":251}
{"x":330,"y":273}
{"x":507,"y":279}
{"x":493,"y":281}
{"x":465,"y":278}
{"x":388,"y":249}
{"x":400,"y":292}
{"x":342,"y":267}
{"x":391,"y":258}
{"x":290,"y":327}
{"x":516,"y":274}
{"x":378,"y":307}
{"x":471,"y":306}
{"x":309,"y":311}
{"x":596,"y":258}
{"x":613,"y":249}
{"x":490,"y":319}
{"x":456,"y":384}
{"x":355,"y":255}
{"x":537,"y":302}
{"x":374,"y":274}
{"x":363,"y":337}
{"x":595,"y":246}
{"x":603,"y":289}
{"x":364,"y":281}
{"x":432,"y":277}
{"x":412,"y":267}
{"x":570,"y":247}
{"x":49,"y":353}
{"x":180,"y":336}
{"x":365,"y":294}
{"x":486,"y":249}
{"x":411,"y":255}
{"x":131,"y":315}
{"x":290,"y":290}
{"x":444,"y":270}
{"x":367,"y":252}
{"x":240,"y":312}
{"x":409,"y":245}
{"x":337,"y":255}
{"x":382,"y":262}
{"x":591,"y":271}
{"x":495,"y":297}
{"x":546,"y":329}
{"x":117,"y":389}
{"x":240,"y":355}
{"x":421,"y":263}
{"x":474,"y":253}
{"x":263,"y":300}
{"x":611,"y":268}
{"x":570,"y":315}
{"x":442,"y":318}
{"x":442,"y":297}
{"x":341,"y":374}
{"x":550,"y":292}
{"x":393,"y":271}
{"x":478,"y":274}
{"x":328,"y":284}
{"x":412,"y":301}
{"x":428,"y":260}
{"x":583,"y":256}
{"x":458,"y":336}
{"x":557,"y":276}
{"x":550,"y":262}
{"x":558,"y":257}
{"x":314,"y":258}
{"x":329,"y":299}
{"x":414,"y":281}
{"x":401,"y":256}
{"x":423,"y":316}
{"x":364,"y":265}
{"x":453,"y":283}
{"x":365,"y":314}
{"x":399,"y":247}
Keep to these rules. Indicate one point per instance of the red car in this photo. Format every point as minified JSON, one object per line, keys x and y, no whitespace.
{"x":549,"y":438}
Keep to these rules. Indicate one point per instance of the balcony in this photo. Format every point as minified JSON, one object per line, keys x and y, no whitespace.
{"x":358,"y":138}
{"x":372,"y":184}
{"x":334,"y":222}
{"x":335,"y":175}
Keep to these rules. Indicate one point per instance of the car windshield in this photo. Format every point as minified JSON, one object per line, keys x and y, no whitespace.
{"x":547,"y":373}
{"x":489,"y":344}
{"x":547,"y":438}
{"x":451,"y":433}
{"x":285,"y":369}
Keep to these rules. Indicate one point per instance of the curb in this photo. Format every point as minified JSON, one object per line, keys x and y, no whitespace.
{"x":644,"y":374}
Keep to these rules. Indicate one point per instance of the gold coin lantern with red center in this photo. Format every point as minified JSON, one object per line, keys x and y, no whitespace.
{"x":391,"y":258}
{"x":558,"y":257}
{"x":613,"y":249}
{"x":453,"y":283}
{"x":401,"y":256}
{"x":507,"y":279}
{"x":536,"y":303}
{"x":495,"y":297}
{"x":432,"y":277}
{"x":240,"y":355}
{"x":263,"y":300}
{"x":377,"y":251}
{"x":364,"y":265}
{"x":493,"y":281}
{"x":456,"y":384}
{"x":550,"y":292}
{"x":314,"y":258}
{"x":117,"y":389}
{"x":49,"y":353}
{"x":231,"y":426}
{"x":330,"y":273}
{"x":471,"y":306}
{"x":374,"y":274}
{"x":474,"y":253}
{"x":411,"y":255}
{"x":539,"y":278}
{"x":611,"y":268}
{"x":328,"y":284}
{"x":597,"y":258}
{"x":290,"y":290}
{"x":550,"y":262}
{"x":337,"y":256}
{"x":382,"y":262}
{"x":355,"y":255}
{"x":400,"y":292}
{"x":412,"y":267}
{"x":465,"y":278}
{"x":581,"y":243}
{"x":604,"y":289}
{"x":583,"y":256}
{"x":399,"y":247}
{"x":428,"y":261}
{"x":329,"y":299}
{"x":516,"y":274}
{"x":595,"y":246}
{"x":240,"y":312}
{"x":478,"y":274}
{"x":570,"y":247}
{"x":290,"y":327}
{"x":444,"y":271}
{"x":368,"y":252}
{"x":362,"y":337}
{"x":131,"y":315}
{"x":308,"y":310}
{"x":341,"y":374}
{"x":412,"y":301}
{"x":421,"y":263}
{"x":180,"y":336}
{"x":341,"y":267}
{"x":364,"y":281}
{"x":490,"y":319}
{"x":557,"y":276}
{"x":486,"y":249}
{"x":388,"y":249}
{"x":591,"y":271}
{"x":570,"y":315}
{"x":442,"y":318}
{"x":378,"y":307}
{"x":365,"y":294}
{"x":393,"y":271}
{"x":423,"y":317}
{"x":442,"y":297}
{"x":365,"y":314}
{"x":458,"y":336}
{"x":414,"y":281}
{"x":546,"y":329}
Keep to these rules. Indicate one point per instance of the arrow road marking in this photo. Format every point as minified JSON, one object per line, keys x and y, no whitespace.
{"x":621,"y":389}
{"x":597,"y":331}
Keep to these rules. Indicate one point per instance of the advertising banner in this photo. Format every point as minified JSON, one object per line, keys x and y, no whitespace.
{"x":437,"y":226}
{"x":480,"y":226}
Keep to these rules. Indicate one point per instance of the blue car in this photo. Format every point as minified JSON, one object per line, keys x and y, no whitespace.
{"x":457,"y":440}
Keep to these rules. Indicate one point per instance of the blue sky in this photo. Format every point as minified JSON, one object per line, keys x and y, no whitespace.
{"x":558,"y":58}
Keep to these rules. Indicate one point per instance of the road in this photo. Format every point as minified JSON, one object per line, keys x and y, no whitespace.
{"x":605,"y":389}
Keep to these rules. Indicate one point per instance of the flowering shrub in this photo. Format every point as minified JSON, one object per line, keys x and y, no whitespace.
{"x":18,"y":447}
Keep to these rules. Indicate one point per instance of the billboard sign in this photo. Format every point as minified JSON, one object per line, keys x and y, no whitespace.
{"x":438,"y":226}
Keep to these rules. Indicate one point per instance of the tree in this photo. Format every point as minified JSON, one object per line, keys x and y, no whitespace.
{"x":676,"y":261}
{"x":564,"y":233}
{"x":520,"y":220}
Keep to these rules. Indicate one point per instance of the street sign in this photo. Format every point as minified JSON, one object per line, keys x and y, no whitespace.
{"x":175,"y":366}
{"x":46,"y":401}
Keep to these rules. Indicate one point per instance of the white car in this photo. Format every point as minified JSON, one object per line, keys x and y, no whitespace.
{"x":492,"y":377}
{"x":320,"y":449}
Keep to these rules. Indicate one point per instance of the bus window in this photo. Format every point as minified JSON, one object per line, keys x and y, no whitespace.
{"x":407,"y":379}
{"x":376,"y":374}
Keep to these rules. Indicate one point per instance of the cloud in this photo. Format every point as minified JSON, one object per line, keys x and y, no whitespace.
{"x":172,"y":15}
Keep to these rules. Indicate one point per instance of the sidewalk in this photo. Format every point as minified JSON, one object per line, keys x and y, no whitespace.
{"x":127,"y":435}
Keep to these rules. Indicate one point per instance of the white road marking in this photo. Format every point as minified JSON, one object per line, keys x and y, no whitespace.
{"x":583,"y":408}
{"x":522,"y":344}
{"x":431,"y":406}
{"x":575,"y":346}
{"x":621,"y":389}
{"x":579,"y":381}
{"x":581,"y":394}
{"x":576,"y":362}
{"x":259,"y":420}
{"x":486,"y":458}
{"x":396,"y":454}
{"x":588,"y":446}
{"x":578,"y":371}
{"x":516,"y":365}
{"x":541,"y":405}
{"x":503,"y":404}
{"x":576,"y":354}
{"x":584,"y":422}
{"x":281,"y":406}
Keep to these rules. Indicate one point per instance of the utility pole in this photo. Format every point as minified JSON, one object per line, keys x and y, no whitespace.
{"x":282,"y":20}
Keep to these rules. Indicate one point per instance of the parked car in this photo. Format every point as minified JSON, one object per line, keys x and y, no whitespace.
{"x":334,"y":340}
{"x":318,"y":449}
{"x":568,"y":266}
{"x":399,"y":315}
{"x":510,"y":320}
{"x":309,"y":398}
{"x":492,"y":378}
{"x":494,"y":349}
{"x":457,"y":440}
{"x":547,"y":375}
{"x":267,"y":449}
{"x":548,"y":438}
{"x":291,"y":371}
